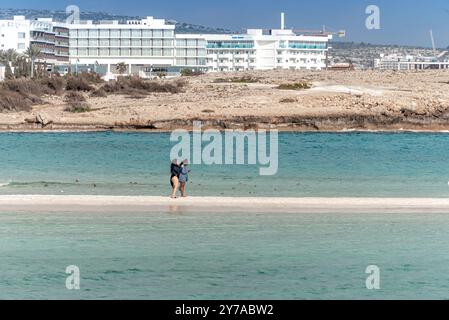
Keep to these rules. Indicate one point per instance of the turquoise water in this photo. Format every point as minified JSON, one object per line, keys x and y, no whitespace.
{"x":224,"y":256}
{"x":212,"y":255}
{"x":310,"y":164}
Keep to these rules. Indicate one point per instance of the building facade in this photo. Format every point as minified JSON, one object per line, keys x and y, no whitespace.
{"x":151,"y":45}
{"x":406,"y":63}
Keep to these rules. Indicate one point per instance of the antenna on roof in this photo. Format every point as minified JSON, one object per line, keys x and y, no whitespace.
{"x":433,"y":42}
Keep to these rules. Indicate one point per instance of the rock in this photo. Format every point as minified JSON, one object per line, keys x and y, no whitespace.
{"x":43,"y":120}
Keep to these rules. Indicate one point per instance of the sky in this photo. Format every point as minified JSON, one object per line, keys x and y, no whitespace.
{"x":402,"y":22}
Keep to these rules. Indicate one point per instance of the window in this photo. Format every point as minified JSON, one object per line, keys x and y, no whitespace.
{"x":146,"y":52}
{"x":93,"y":33}
{"x":114,"y":52}
{"x":168,"y":43}
{"x":104,"y":33}
{"x":157,"y":43}
{"x":72,"y":33}
{"x":21,"y":46}
{"x":82,"y":42}
{"x":82,"y":34}
{"x":115,"y":33}
{"x":125,"y":42}
{"x":181,"y":43}
{"x":146,"y":42}
{"x":168,"y":33}
{"x":73,"y":52}
{"x":104,"y":52}
{"x":167,"y":52}
{"x":157,"y":52}
{"x":115,"y":42}
{"x":157,"y":33}
{"x":93,"y":42}
{"x":136,"y":52}
{"x":136,"y":33}
{"x":126,"y":33}
{"x":124,"y":52}
{"x":93,"y":52}
{"x":21,"y":35}
{"x":104,"y":42}
{"x":136,"y":42}
{"x":147,"y":34}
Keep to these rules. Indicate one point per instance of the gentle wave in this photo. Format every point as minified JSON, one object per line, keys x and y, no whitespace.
{"x":63,"y":184}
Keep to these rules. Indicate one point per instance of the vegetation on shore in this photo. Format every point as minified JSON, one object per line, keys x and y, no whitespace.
{"x":27,"y":83}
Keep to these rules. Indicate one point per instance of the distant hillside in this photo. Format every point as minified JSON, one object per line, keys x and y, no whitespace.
{"x":60,"y":15}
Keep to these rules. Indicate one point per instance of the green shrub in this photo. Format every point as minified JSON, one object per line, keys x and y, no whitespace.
{"x":294,"y":86}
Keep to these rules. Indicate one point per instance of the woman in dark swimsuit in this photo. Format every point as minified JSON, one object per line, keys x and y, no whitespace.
{"x":174,"y":178}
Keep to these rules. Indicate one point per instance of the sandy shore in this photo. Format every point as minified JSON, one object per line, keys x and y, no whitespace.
{"x":337,"y":101}
{"x":91,"y":204}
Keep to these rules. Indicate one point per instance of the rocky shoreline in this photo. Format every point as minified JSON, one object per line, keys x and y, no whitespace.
{"x":335,"y":101}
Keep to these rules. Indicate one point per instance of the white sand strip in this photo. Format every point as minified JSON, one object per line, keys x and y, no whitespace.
{"x":50,"y":203}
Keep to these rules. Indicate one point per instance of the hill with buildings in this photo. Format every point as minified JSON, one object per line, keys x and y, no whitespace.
{"x":60,"y":15}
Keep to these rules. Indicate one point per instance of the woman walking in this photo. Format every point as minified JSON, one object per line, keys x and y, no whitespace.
{"x":174,"y":178}
{"x":184,"y":177}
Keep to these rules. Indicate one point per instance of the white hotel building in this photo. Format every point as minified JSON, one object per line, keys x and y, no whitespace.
{"x":150,"y":45}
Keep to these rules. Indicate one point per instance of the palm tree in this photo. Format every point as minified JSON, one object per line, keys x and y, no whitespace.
{"x":121,"y":67}
{"x":32,"y":53}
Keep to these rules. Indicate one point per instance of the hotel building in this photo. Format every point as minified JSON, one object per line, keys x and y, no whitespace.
{"x":152,"y":45}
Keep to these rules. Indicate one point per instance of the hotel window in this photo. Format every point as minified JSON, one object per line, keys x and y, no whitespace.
{"x":136,"y":42}
{"x":93,"y":52}
{"x":73,"y":42}
{"x":147,"y":34}
{"x":93,"y":33}
{"x":157,"y":43}
{"x":82,"y":42}
{"x":201,"y":52}
{"x":168,"y":43}
{"x":168,"y":33}
{"x":201,"y":61}
{"x":157,"y":33}
{"x":73,"y":52}
{"x":181,"y":43}
{"x":126,"y":33}
{"x":104,"y":33}
{"x":146,"y":52}
{"x":191,"y":43}
{"x":201,"y":43}
{"x":93,"y":42}
{"x":83,"y":34}
{"x":82,"y":52}
{"x":146,"y":42}
{"x":21,"y":35}
{"x":114,"y":43}
{"x":181,"y":52}
{"x":124,"y":52}
{"x":181,"y":62}
{"x":157,"y":52}
{"x":104,"y":42}
{"x":167,"y":52}
{"x":115,"y":33}
{"x":73,"y":33}
{"x":125,"y":42}
{"x":191,"y":62}
{"x":21,"y":46}
{"x":104,"y":52}
{"x":191,"y":52}
{"x":114,"y":52}
{"x":136,"y":33}
{"x":136,"y":52}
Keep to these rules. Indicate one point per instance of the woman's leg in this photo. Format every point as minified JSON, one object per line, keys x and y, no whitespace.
{"x":183,"y":189}
{"x":175,"y":182}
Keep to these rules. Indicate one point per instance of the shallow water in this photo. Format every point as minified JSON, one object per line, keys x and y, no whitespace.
{"x":310,"y":164}
{"x":223,"y":256}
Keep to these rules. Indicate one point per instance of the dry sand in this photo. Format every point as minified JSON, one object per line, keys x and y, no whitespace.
{"x":338,"y":100}
{"x":92,"y":204}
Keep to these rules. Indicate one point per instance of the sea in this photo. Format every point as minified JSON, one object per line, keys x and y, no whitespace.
{"x":225,"y":255}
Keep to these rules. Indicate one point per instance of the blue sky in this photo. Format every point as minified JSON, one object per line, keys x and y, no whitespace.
{"x":402,"y":21}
